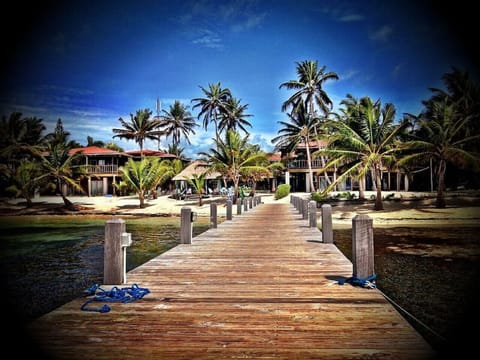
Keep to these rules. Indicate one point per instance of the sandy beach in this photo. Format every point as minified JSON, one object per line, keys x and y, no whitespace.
{"x":403,"y":208}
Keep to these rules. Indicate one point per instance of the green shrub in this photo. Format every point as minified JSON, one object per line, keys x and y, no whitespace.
{"x":282,"y":191}
{"x":319,"y":196}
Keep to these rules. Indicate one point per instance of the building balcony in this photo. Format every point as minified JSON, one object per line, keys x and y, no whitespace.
{"x":303,"y":164}
{"x":102,"y":169}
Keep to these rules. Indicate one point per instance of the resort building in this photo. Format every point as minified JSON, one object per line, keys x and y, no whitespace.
{"x":296,"y":173}
{"x":102,"y":167}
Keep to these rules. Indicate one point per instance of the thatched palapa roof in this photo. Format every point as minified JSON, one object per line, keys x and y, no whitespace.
{"x":195,"y":167}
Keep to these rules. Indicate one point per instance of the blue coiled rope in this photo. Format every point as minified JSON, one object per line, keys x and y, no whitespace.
{"x":115,"y":294}
{"x":368,"y":282}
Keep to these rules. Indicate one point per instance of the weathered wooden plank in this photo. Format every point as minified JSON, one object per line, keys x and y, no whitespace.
{"x":261,"y":286}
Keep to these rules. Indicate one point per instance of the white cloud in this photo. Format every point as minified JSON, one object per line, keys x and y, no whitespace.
{"x":351,"y":18}
{"x":208,"y":38}
{"x":382,"y":34}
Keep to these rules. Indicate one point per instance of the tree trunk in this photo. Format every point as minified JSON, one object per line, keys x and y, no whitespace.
{"x":200,"y":199}
{"x":440,"y":202}
{"x":361,"y":188}
{"x":141,"y":197}
{"x":29,"y":201}
{"x":378,"y":183}
{"x":310,"y":172}
{"x":235,"y":191}
{"x":68,"y":204}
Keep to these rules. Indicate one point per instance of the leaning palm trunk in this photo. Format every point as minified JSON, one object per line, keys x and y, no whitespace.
{"x":67,"y":203}
{"x":442,"y":167}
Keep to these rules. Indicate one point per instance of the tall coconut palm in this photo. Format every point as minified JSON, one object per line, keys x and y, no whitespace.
{"x":234,"y":116}
{"x":440,"y":136}
{"x":234,"y":158}
{"x":177,"y":121}
{"x":212,"y":105}
{"x":299,"y":130}
{"x":140,"y":128}
{"x":309,"y":88}
{"x":364,"y":145}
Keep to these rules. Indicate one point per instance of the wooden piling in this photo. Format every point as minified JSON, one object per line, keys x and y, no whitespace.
{"x":229,"y":210}
{"x":239,"y":206}
{"x":327,"y":226}
{"x":312,"y":213}
{"x":113,"y":257}
{"x":305,"y":208}
{"x":186,"y":225}
{"x":362,"y":246}
{"x":213,"y":215}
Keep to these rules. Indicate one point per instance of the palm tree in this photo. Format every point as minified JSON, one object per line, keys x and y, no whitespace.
{"x":92,"y":142}
{"x":113,"y":146}
{"x":18,"y":136}
{"x":176,"y":122}
{"x":300,"y":130}
{"x":234,"y":116}
{"x":144,"y":175}
{"x":309,"y":88}
{"x":198,"y":183}
{"x":441,"y":137}
{"x":234,"y":158}
{"x":212,"y":105}
{"x":22,"y":179}
{"x":58,"y":167}
{"x":176,"y":150}
{"x":140,"y":128}
{"x":364,"y":144}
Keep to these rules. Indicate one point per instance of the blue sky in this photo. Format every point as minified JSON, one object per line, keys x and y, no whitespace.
{"x":90,"y":63}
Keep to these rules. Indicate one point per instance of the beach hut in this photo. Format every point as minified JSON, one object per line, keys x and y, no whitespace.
{"x":196,"y":167}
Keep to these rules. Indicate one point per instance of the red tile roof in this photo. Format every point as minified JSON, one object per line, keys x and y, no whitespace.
{"x":95,"y":150}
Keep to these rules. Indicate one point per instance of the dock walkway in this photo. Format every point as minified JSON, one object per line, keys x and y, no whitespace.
{"x":262,"y":286}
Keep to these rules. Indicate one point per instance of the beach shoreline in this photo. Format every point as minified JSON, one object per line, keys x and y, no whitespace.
{"x":401,"y":209}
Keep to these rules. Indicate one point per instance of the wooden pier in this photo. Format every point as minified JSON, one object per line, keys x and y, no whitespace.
{"x":261,"y":286}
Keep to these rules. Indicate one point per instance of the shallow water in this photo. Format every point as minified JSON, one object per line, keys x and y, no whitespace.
{"x":432,"y":273}
{"x":47,"y":261}
{"x":432,"y":276}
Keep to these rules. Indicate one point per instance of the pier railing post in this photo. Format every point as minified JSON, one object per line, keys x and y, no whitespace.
{"x":229,"y":209}
{"x":245,"y":204}
{"x":113,"y":255}
{"x":312,"y":213}
{"x":186,"y":225}
{"x":327,"y":227}
{"x":362,"y":247}
{"x":213,"y":215}
{"x":305,"y":208}
{"x":239,"y":206}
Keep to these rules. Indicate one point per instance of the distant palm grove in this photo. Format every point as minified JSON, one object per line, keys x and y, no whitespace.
{"x":354,"y":144}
